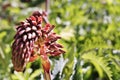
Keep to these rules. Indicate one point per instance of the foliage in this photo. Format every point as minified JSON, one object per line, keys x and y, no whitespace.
{"x":90,"y":31}
{"x":99,"y":63}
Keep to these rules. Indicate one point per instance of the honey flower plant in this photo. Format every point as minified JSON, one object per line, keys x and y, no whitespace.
{"x":35,"y":38}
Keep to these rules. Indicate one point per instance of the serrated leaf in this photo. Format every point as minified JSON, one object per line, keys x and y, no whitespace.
{"x":98,"y":62}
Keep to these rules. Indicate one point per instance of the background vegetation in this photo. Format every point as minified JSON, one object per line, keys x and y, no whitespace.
{"x":90,"y":31}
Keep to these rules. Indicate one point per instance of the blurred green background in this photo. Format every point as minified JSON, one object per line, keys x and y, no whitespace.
{"x":90,"y":31}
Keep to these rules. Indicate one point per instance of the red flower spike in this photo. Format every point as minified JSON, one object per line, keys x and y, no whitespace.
{"x":32,"y":18}
{"x":32,"y":40}
{"x":48,"y":28}
{"x":44,"y":13}
{"x":40,"y":19}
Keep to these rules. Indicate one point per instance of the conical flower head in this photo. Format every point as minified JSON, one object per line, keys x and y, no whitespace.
{"x":30,"y":37}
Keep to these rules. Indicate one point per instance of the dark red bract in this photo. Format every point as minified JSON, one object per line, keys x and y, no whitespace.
{"x":34,"y":39}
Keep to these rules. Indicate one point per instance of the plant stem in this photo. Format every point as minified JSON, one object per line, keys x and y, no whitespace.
{"x":47,"y":5}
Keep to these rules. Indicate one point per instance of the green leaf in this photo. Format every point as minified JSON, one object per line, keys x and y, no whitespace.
{"x":100,"y":63}
{"x":35,"y":74}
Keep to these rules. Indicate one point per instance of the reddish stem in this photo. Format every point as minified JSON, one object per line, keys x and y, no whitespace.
{"x":47,"y":5}
{"x":45,"y":63}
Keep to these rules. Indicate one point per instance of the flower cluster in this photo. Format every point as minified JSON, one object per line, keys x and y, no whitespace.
{"x":35,"y":38}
